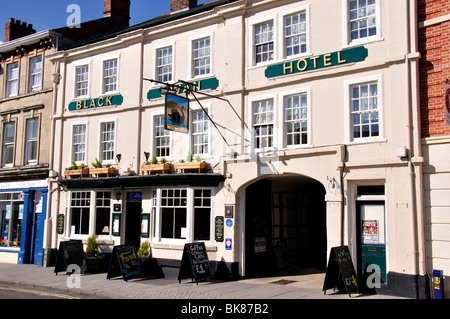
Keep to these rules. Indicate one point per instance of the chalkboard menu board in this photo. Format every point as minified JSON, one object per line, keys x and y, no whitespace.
{"x":69,"y":253}
{"x":340,"y":271}
{"x":124,"y":262}
{"x":194,"y":263}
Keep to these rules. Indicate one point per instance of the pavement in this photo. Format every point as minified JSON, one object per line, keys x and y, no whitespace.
{"x":292,"y":287}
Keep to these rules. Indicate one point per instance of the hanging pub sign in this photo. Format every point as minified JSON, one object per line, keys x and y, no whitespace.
{"x":317,"y":62}
{"x":103,"y":101}
{"x":176,"y":113}
{"x":200,"y":85}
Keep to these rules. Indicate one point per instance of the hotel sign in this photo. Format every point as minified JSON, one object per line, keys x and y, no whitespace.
{"x":317,"y":62}
{"x":200,"y":85}
{"x":96,"y":103}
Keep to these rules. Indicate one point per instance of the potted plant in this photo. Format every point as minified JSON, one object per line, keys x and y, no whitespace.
{"x":93,"y":256}
{"x":149,"y":265}
{"x":155,"y":167}
{"x":198,"y":166}
{"x":100,"y":169}
{"x":76,"y":171}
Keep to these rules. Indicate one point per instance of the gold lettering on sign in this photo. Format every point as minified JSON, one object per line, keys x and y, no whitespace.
{"x":340,"y":61}
{"x":314,"y":58}
{"x":300,"y":63}
{"x":327,"y":60}
{"x":288,"y":66}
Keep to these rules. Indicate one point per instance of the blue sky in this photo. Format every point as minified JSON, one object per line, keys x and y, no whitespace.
{"x":52,"y":14}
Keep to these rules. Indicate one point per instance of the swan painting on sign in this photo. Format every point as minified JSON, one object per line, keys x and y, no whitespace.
{"x":177,"y":113}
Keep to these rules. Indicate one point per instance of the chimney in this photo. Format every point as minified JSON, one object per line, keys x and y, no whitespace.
{"x":15,"y":29}
{"x":119,"y":9}
{"x":177,"y":5}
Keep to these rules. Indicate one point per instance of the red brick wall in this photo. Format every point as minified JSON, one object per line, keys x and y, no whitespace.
{"x":176,"y":5}
{"x":434,"y":46}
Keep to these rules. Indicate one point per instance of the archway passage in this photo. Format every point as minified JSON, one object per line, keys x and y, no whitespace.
{"x":285,"y":225}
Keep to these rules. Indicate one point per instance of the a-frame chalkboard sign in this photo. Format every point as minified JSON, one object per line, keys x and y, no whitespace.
{"x":195,"y":263}
{"x":69,"y":253}
{"x":340,"y":271}
{"x":124,"y":262}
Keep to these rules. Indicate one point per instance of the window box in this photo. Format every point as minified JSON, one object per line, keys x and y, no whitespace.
{"x":79,"y":172}
{"x":200,"y":167}
{"x":102,"y":171}
{"x":148,"y":169}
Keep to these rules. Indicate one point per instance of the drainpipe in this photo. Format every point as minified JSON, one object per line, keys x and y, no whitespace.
{"x":342,"y":172}
{"x":414,"y":145}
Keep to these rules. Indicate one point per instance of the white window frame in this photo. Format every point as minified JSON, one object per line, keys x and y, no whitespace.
{"x":196,"y":108}
{"x":13,"y":144}
{"x":72,"y":153}
{"x":191,"y":66}
{"x":32,"y":86}
{"x":190,"y":210}
{"x":10,"y":81}
{"x":275,"y":122}
{"x":153,"y":135}
{"x":91,"y":228}
{"x":348,"y":109}
{"x":100,"y":150}
{"x":75,"y":84}
{"x":282,"y":43}
{"x":155,"y":53}
{"x":285,"y":94}
{"x":27,"y":140}
{"x":252,"y":46}
{"x":117,"y":76}
{"x":346,"y":37}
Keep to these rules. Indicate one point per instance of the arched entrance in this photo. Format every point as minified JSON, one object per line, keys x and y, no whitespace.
{"x":285,"y":218}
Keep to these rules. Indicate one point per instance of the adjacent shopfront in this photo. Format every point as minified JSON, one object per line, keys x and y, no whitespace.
{"x":23,"y":213}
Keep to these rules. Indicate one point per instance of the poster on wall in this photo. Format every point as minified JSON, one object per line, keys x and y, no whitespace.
{"x":370,"y":232}
{"x":177,"y":113}
{"x":447,"y":103}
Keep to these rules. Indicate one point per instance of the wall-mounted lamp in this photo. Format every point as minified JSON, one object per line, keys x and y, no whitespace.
{"x":118,"y":195}
{"x":147,"y":155}
{"x":119,"y":157}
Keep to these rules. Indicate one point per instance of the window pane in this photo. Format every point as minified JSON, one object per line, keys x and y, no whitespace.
{"x":31,"y":140}
{"x":9,"y":131}
{"x":35,"y":80}
{"x":12,"y":75}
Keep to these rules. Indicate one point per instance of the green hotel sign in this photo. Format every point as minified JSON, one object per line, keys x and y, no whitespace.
{"x":200,"y":85}
{"x":317,"y":62}
{"x":96,"y":103}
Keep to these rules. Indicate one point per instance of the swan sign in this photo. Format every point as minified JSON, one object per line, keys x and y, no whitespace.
{"x":176,"y":113}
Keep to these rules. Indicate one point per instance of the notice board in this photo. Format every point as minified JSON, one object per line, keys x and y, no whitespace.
{"x":340,"y":271}
{"x":195,"y":263}
{"x":124,"y":262}
{"x":69,"y":253}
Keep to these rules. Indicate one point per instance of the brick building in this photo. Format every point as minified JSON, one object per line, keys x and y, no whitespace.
{"x":434,"y":46}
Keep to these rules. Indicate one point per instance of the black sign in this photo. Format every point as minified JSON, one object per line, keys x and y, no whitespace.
{"x":124,"y":262}
{"x":194,"y":263}
{"x":69,"y":253}
{"x":60,"y":224}
{"x":340,"y":271}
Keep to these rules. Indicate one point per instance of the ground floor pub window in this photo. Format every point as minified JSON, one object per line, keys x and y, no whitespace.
{"x":79,"y":213}
{"x":11,"y":205}
{"x":202,"y":214}
{"x":184,"y":214}
{"x":103,"y":208}
{"x":173,"y":213}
